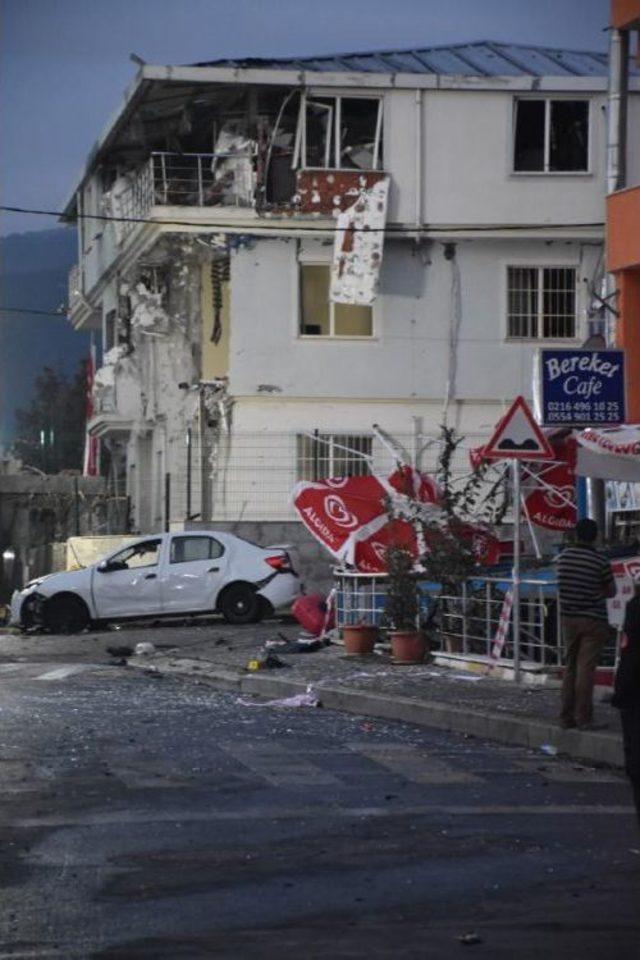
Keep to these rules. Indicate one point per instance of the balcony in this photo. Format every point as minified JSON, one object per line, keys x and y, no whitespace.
{"x":230,"y":180}
{"x":79,"y":311}
{"x":181,"y":180}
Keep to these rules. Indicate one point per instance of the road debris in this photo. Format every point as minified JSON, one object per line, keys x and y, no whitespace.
{"x":144,"y":649}
{"x":307,"y":699}
{"x":469,"y":938}
{"x":268,"y":661}
{"x":121,"y":651}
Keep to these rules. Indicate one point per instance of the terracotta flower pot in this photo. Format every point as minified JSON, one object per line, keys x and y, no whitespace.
{"x":408,"y":646}
{"x":359,"y":640}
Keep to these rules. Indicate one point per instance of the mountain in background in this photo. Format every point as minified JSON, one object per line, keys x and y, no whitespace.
{"x":33,"y":276}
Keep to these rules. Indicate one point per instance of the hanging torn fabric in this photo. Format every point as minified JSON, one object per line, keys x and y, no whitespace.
{"x":359,"y":242}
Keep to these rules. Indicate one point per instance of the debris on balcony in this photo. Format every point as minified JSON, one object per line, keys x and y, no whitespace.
{"x":234,"y":178}
{"x":358,"y":245}
{"x":148,"y":314}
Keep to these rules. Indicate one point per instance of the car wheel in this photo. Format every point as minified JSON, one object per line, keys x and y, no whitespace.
{"x":239,"y":603}
{"x":28,"y":618}
{"x":66,"y":614}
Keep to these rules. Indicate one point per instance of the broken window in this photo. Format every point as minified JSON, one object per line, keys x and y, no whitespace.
{"x":319,"y":317}
{"x":551,"y":136}
{"x":342,"y":133}
{"x":541,"y":302}
{"x":323,"y":455}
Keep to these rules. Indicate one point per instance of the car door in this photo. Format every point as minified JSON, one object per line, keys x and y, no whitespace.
{"x":193,"y":573}
{"x":127,"y":583}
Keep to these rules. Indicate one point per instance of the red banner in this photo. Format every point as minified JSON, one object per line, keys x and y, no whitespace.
{"x":551,"y":503}
{"x":90,"y":460}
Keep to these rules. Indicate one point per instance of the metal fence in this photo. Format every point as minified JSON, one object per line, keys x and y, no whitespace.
{"x":466,"y":621}
{"x":252,"y":474}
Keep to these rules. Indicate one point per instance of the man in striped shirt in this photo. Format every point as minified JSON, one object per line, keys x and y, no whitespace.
{"x":585,"y":582}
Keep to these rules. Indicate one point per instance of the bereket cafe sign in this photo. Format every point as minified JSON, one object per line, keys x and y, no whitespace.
{"x":581,"y":388}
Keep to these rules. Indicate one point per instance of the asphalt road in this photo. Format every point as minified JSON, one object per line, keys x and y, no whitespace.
{"x":148,"y":817}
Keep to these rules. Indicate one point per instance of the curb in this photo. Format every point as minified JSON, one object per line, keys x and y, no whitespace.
{"x":600,"y":748}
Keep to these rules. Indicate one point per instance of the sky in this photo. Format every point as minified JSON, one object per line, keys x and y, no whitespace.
{"x":64,"y":64}
{"x":64,"y":67}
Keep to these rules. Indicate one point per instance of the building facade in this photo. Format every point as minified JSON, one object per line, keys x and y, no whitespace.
{"x":213,"y":214}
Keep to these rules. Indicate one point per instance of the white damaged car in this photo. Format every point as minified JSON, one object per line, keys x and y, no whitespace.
{"x":164,"y":575}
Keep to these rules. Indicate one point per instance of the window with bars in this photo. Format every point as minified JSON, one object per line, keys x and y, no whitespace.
{"x":324,"y":455}
{"x":541,"y":303}
{"x":551,"y":136}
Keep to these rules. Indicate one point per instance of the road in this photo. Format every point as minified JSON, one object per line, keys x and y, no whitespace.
{"x":150,"y":817}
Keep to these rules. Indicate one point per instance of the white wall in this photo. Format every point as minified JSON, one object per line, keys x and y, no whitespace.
{"x":399,"y":153}
{"x":469,"y":166}
{"x":408,"y":356}
{"x":100,"y":248}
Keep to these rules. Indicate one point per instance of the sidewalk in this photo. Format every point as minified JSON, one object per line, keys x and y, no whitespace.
{"x":427,"y":695}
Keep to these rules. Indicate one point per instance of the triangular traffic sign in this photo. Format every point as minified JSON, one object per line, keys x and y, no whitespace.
{"x":518,"y":436}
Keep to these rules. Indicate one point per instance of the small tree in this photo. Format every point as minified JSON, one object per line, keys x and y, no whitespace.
{"x":51,"y":430}
{"x":445,"y":537}
{"x":401,"y":602}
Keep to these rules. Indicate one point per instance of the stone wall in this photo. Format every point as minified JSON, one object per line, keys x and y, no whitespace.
{"x":37,"y":514}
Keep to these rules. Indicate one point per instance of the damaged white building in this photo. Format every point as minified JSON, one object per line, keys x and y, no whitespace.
{"x":276,"y":255}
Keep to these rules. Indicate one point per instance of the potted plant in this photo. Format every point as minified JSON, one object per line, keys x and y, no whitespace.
{"x":359,"y":638}
{"x":401,"y":612}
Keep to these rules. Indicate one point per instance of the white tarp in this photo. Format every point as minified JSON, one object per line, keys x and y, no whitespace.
{"x":359,"y":242}
{"x":610,"y":453}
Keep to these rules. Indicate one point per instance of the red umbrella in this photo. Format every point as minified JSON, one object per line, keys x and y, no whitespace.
{"x":350,"y":517}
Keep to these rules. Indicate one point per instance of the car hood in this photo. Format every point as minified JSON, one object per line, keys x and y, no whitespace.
{"x":62,"y":580}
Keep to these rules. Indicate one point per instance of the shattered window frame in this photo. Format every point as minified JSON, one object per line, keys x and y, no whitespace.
{"x":542,"y":302}
{"x":331,"y":308}
{"x":321,"y":455}
{"x":546,"y":147}
{"x":333,"y":149}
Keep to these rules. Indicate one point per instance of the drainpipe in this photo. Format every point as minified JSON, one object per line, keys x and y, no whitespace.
{"x":617,"y":110}
{"x":418,"y":169}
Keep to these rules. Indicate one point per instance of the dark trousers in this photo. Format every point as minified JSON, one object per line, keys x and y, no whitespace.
{"x":630,"y":717}
{"x":584,"y":638}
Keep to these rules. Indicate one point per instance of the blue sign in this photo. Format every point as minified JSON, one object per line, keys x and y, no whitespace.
{"x":582,"y":388}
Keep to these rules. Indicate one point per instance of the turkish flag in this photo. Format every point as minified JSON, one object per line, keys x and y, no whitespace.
{"x":90,"y":458}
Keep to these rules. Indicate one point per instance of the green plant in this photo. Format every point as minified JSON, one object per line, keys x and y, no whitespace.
{"x":401,"y":602}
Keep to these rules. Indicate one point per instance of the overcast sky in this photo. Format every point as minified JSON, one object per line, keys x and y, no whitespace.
{"x":64,"y":64}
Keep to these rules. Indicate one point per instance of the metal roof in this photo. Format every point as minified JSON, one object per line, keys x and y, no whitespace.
{"x":484,"y":58}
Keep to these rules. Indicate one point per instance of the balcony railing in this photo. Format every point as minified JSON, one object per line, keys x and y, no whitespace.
{"x":183,"y":180}
{"x":203,"y":179}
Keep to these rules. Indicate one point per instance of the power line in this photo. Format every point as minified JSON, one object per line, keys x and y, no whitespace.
{"x":40,"y":313}
{"x":481,"y":228}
